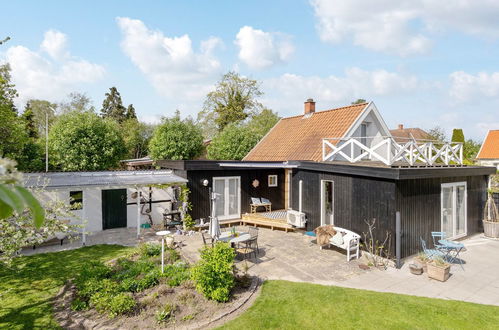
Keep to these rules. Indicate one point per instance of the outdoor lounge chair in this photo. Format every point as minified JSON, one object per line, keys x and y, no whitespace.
{"x":257,"y":202}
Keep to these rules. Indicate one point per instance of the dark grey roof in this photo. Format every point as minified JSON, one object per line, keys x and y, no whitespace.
{"x":104,"y":178}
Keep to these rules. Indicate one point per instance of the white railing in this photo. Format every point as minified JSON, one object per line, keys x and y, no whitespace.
{"x":388,"y":151}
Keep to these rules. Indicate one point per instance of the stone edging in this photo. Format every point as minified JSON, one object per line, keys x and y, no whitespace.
{"x":69,"y":319}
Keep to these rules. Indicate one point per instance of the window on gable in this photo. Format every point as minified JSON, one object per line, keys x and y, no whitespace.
{"x":76,"y":200}
{"x":272,"y":180}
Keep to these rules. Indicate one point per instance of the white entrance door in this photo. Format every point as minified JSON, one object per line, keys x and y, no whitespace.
{"x":228,"y":203}
{"x":327,"y":202}
{"x":454,"y":209}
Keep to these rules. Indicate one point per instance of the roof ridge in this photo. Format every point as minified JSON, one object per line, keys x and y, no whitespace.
{"x":329,"y":110}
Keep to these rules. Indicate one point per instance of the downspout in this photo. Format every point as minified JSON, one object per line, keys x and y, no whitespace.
{"x":300,"y":199}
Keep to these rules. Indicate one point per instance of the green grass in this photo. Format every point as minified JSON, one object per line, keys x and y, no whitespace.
{"x":26,"y":291}
{"x":288,"y":305}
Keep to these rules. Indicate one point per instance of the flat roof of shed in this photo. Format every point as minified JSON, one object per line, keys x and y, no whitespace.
{"x":102,"y":178}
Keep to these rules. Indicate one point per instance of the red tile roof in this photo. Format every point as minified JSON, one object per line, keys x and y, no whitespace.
{"x":405,"y":134}
{"x":490,"y":147}
{"x":300,"y":137}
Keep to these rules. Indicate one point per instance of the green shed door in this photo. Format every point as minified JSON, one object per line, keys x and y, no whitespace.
{"x":114,"y":208}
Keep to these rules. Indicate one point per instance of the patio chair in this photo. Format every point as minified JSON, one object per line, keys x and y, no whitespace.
{"x":431,"y":253}
{"x":436,"y":236}
{"x":253,"y":241}
{"x":247,"y":248}
{"x":207,"y":240}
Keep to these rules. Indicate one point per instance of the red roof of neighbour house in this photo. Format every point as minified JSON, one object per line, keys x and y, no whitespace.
{"x":490,"y":146}
{"x":300,"y":137}
{"x":402,"y":135}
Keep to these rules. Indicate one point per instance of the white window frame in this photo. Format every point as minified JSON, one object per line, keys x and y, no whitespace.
{"x":454,"y":207}
{"x":226,"y":193}
{"x":270,"y":178}
{"x":322,"y":202}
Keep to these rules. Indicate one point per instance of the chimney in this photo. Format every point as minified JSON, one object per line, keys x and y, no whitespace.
{"x":401,"y":126}
{"x":309,"y":106}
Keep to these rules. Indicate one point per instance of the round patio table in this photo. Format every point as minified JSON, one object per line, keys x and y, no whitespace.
{"x":228,"y":237}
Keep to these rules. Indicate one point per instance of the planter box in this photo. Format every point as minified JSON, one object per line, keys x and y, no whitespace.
{"x":491,"y":229}
{"x":439,"y":273}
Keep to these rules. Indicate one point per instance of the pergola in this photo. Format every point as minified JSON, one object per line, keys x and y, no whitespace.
{"x":104,"y":180}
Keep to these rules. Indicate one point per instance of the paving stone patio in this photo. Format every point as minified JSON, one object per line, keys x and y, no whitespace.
{"x":295,"y":257}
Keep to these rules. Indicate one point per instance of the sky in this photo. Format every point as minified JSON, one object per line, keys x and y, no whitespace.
{"x":423,"y":63}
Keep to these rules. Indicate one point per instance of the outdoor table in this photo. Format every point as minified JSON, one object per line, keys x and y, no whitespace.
{"x":450,"y":247}
{"x":228,"y":237}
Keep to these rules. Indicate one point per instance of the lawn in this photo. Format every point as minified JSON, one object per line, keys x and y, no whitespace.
{"x":288,"y":305}
{"x":26,"y":291}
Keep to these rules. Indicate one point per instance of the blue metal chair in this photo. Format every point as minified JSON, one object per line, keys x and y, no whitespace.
{"x":436,"y":236}
{"x":431,"y":253}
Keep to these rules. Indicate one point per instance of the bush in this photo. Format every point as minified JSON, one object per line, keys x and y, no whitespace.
{"x":79,"y":304}
{"x":150,"y":249}
{"x":176,"y":274}
{"x":117,"y":304}
{"x":214,"y":273}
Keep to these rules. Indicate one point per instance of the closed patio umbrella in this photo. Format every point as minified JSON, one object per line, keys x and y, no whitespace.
{"x":214,"y":228}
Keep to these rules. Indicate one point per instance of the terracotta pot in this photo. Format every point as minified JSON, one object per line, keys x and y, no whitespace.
{"x":439,"y":273}
{"x":491,"y":229}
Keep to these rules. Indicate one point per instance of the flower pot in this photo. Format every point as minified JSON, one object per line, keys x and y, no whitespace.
{"x":416,"y":269}
{"x":420,"y":263}
{"x":437,"y":272}
{"x":491,"y":229}
{"x":170,"y":241}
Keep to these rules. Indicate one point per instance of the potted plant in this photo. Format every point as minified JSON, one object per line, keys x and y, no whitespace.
{"x":491,"y":218}
{"x":421,"y":260}
{"x":438,"y":269}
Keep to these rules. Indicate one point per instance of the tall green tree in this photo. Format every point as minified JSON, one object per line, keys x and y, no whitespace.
{"x":8,"y":91}
{"x":437,"y":133}
{"x":457,"y":135}
{"x":130,"y":112}
{"x":471,"y":149}
{"x":84,"y":141}
{"x":29,"y":121}
{"x":176,"y":139}
{"x":233,"y":143}
{"x":76,"y":102}
{"x":42,"y":110}
{"x":137,"y":137}
{"x":263,"y":122}
{"x":233,"y":100}
{"x":112,"y":106}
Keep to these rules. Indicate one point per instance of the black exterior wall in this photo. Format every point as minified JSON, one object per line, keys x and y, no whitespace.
{"x":199,"y":196}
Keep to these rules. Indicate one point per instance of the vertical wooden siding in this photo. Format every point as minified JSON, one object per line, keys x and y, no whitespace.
{"x":199,"y":194}
{"x":420,"y":206}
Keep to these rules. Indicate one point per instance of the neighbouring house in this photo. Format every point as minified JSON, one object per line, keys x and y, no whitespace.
{"x":402,"y":134}
{"x":342,"y":166}
{"x":489,"y":151}
{"x":110,"y":199}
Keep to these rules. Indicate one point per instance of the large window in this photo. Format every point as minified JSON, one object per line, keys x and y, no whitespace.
{"x":76,"y":200}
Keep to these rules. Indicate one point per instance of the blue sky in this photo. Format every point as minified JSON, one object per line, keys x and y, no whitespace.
{"x":423,"y":63}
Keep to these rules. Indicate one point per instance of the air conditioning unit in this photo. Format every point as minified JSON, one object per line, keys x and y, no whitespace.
{"x":296,"y":218}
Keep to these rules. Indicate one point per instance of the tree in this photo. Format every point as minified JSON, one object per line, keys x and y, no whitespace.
{"x":457,"y":135}
{"x":112,"y":106}
{"x":176,"y":139}
{"x":359,"y":101}
{"x":233,"y":100}
{"x":137,"y":137}
{"x":77,"y":102}
{"x":233,"y":143}
{"x":471,"y":149}
{"x":263,"y":122}
{"x":13,"y":135}
{"x":42,"y":110}
{"x":29,"y":121}
{"x":84,"y":141}
{"x":437,"y":133}
{"x":130,"y":112}
{"x":7,"y":89}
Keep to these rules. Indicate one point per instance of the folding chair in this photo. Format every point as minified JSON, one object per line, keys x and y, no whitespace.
{"x":431,"y":253}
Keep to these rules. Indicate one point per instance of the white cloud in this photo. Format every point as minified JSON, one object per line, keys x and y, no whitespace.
{"x":468,"y":87}
{"x":52,"y":78}
{"x":403,"y":27}
{"x":259,"y":49}
{"x":289,"y":89}
{"x":172,"y":65}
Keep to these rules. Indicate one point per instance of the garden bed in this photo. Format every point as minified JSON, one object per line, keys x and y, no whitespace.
{"x":131,"y":292}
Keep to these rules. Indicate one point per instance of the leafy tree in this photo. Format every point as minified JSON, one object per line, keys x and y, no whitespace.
{"x":359,"y":101}
{"x":176,"y":139}
{"x":457,"y":135}
{"x":471,"y":149}
{"x":130,"y":112}
{"x":437,"y":133}
{"x":112,"y":106}
{"x":7,"y":89}
{"x":233,"y":100}
{"x":77,"y":102}
{"x":41,"y":109}
{"x":84,"y":141}
{"x":137,"y":137}
{"x":29,"y":122}
{"x":233,"y":143}
{"x":263,"y":122}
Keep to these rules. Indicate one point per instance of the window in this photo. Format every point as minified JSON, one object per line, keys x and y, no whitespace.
{"x":272,"y":180}
{"x":76,"y":200}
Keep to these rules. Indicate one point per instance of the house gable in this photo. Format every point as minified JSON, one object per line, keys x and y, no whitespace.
{"x":490,"y":146}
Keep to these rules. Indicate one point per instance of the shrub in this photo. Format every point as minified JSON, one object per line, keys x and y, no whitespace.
{"x":150,"y":249}
{"x":134,"y":269}
{"x":166,"y":313}
{"x":176,"y":274}
{"x":117,"y":304}
{"x":214,"y":273}
{"x":79,"y":304}
{"x":93,"y":270}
